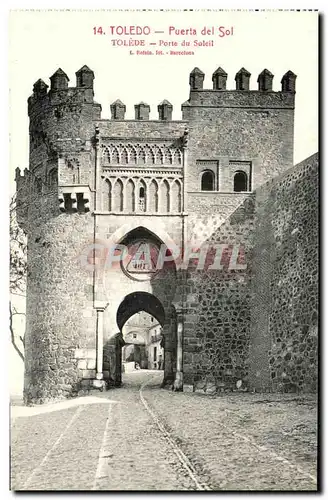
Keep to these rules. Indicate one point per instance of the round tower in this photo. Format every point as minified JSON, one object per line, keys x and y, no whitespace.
{"x":55,"y":199}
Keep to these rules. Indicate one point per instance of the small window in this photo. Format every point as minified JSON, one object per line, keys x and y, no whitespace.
{"x":53,"y":176}
{"x":240,"y":182}
{"x":155,"y":353}
{"x":134,"y":335}
{"x":208,"y":181}
{"x":38,"y":185}
{"x":142,"y":199}
{"x":80,"y":202}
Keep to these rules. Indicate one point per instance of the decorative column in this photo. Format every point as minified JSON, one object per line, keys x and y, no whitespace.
{"x":99,"y":382}
{"x":100,"y":343}
{"x":184,"y":186}
{"x":159,"y":197}
{"x":97,"y":187}
{"x":124,"y":196}
{"x":178,"y":382}
{"x":166,"y":343}
{"x":147,"y":193}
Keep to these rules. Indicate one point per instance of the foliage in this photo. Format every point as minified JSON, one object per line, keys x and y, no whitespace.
{"x":18,"y":269}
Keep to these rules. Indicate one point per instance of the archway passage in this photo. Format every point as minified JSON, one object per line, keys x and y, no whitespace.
{"x":141,"y":351}
{"x":136,"y":302}
{"x":143,"y":347}
{"x":154,"y":298}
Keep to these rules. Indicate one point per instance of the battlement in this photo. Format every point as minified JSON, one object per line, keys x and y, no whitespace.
{"x":61,"y":93}
{"x":241,"y":96}
{"x":242,"y":80}
{"x":223,"y":133}
{"x":219,"y":96}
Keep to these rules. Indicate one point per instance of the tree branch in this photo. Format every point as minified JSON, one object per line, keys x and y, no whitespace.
{"x":12,"y":334}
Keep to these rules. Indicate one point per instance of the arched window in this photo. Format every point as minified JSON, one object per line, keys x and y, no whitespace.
{"x":240,"y":182}
{"x":142,"y":197}
{"x":107,"y":195}
{"x":153,"y":197}
{"x":118,"y":196}
{"x":176,"y":196}
{"x":208,"y":181}
{"x":129,"y":192}
{"x":164,"y":197}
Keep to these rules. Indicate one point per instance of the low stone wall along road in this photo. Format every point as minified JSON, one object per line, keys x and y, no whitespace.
{"x":141,"y":437}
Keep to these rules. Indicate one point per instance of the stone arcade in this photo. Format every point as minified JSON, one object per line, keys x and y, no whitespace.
{"x":223,"y":174}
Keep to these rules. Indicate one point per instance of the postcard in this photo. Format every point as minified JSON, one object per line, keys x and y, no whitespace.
{"x":164,"y":206}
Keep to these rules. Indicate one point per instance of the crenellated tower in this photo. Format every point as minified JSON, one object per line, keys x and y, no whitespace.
{"x":54,"y":198}
{"x":61,"y":121}
{"x":240,"y":129}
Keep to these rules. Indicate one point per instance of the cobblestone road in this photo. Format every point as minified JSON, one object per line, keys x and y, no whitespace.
{"x":153,"y":439}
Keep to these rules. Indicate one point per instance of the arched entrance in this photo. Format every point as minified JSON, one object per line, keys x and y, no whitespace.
{"x":136,"y":302}
{"x":137,"y":354}
{"x":137,"y":285}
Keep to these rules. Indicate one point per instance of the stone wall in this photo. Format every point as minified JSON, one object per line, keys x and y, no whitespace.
{"x":254,"y":325}
{"x":283,"y":355}
{"x":258,"y":325}
{"x":60,"y":316}
{"x":249,"y":126}
{"x":209,"y":210}
{"x":113,"y":285}
{"x":218,"y":315}
{"x":148,"y":129}
{"x":60,"y":338}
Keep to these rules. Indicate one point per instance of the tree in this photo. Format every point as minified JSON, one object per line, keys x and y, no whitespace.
{"x":18,"y":269}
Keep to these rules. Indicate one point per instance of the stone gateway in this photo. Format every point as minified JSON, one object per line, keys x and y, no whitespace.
{"x":223,"y":176}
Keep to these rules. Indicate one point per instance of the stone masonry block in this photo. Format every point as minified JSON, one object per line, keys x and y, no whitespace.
{"x":82,"y":364}
{"x":91,"y":364}
{"x":85,"y":353}
{"x":88,"y":374}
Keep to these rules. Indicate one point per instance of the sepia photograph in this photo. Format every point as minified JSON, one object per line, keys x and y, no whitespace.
{"x":164,"y":250}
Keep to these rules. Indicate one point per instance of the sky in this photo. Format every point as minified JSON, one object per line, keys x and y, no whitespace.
{"x":42,"y":41}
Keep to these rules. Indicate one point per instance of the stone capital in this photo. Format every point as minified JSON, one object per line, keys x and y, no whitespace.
{"x":101,"y":305}
{"x":180,"y":309}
